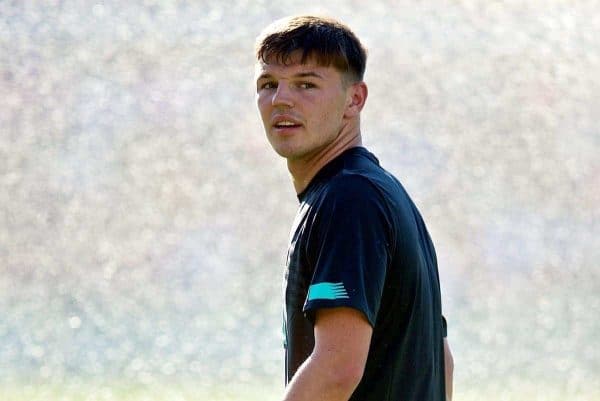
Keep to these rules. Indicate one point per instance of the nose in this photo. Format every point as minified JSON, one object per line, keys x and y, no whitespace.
{"x":282,"y":96}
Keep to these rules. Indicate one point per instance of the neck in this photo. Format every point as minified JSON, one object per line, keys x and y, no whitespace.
{"x":303,"y":170}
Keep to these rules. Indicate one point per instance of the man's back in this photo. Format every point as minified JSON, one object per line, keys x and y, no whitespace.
{"x":358,"y":241}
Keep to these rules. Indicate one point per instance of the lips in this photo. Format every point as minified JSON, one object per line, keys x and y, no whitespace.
{"x":285,"y":122}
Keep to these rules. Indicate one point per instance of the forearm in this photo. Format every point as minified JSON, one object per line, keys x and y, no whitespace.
{"x":316,"y":381}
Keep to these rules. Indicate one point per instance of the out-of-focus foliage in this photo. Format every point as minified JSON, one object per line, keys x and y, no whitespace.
{"x":144,"y":218}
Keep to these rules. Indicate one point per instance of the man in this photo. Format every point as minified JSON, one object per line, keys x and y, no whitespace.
{"x":363,"y":317}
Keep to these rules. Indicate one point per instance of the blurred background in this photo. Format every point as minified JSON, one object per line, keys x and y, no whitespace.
{"x":144,"y":217}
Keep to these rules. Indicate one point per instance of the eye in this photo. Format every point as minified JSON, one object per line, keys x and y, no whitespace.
{"x":268,"y":85}
{"x":307,"y":85}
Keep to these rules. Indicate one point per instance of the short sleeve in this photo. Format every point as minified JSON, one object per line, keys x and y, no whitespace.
{"x":349,"y":248}
{"x":444,"y":327}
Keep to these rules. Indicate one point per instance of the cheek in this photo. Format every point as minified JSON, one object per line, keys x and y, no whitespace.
{"x":331,"y":113}
{"x":260,"y":101}
{"x":263,"y":105}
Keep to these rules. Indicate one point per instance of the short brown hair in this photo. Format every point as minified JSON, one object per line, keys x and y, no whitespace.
{"x":329,"y":41}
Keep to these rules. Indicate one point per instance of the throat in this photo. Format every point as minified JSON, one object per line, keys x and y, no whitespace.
{"x":303,"y":170}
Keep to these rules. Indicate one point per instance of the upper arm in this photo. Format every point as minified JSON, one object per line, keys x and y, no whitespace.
{"x":448,"y":370}
{"x":342,"y":339}
{"x":348,"y":248}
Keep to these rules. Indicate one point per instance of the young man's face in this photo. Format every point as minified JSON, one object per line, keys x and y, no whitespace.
{"x":302,"y":106}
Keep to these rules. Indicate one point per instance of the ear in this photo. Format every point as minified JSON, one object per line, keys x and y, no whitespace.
{"x":356,"y":96}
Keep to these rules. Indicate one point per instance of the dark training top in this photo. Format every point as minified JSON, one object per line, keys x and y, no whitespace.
{"x":359,"y":241}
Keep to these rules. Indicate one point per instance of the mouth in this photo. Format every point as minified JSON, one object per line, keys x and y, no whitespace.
{"x":285,"y":124}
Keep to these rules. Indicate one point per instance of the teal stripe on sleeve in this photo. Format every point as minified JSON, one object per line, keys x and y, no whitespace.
{"x":327,"y":291}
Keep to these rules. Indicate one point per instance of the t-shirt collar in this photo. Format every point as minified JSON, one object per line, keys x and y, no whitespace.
{"x":334,"y":166}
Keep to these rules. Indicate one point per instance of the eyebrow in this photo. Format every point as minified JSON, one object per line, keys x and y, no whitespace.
{"x":299,"y":75}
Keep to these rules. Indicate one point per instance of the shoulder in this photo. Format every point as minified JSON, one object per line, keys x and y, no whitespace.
{"x":352,"y":188}
{"x":353,"y":196}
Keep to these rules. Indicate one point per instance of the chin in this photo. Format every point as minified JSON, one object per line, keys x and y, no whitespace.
{"x":287,"y":152}
{"x":283,"y":149}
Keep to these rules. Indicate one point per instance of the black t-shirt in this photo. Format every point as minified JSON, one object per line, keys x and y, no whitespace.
{"x":359,"y":241}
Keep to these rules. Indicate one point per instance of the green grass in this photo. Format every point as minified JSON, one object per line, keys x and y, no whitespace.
{"x":77,"y":390}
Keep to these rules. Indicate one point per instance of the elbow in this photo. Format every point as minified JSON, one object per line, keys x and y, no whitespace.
{"x":346,"y":380}
{"x":350,"y":376}
{"x":343,"y":376}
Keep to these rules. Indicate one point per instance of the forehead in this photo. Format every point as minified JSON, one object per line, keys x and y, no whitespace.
{"x":275,"y":68}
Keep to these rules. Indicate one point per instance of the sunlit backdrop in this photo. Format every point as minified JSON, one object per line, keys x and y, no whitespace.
{"x":144,"y":217}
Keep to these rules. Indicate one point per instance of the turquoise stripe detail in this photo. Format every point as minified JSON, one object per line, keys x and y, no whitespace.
{"x":327,"y":291}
